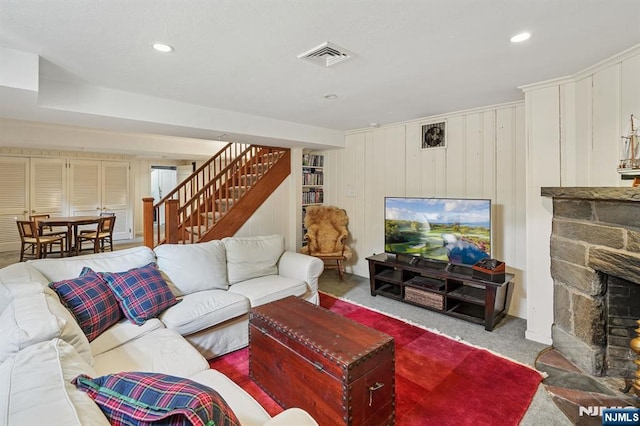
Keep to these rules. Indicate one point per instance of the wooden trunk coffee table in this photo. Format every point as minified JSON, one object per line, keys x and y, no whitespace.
{"x":339,"y":371}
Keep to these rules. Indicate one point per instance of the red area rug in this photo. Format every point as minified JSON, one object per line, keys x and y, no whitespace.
{"x":438,"y":380}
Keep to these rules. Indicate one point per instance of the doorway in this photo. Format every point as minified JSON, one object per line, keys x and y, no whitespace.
{"x":163,"y":180}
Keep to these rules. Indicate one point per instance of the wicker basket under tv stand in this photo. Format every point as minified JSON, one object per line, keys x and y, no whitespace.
{"x":442,"y":287}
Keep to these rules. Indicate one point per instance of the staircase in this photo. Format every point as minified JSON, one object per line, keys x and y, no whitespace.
{"x":218,"y":198}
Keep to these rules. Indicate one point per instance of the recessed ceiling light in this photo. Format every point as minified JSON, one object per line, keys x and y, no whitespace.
{"x":376,"y":125}
{"x":331,"y":96}
{"x":161,"y":47}
{"x":520,"y":37}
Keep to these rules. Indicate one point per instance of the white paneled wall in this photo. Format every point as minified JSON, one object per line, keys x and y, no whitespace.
{"x":484,"y":158}
{"x":272,"y":218}
{"x":630,"y":88}
{"x":606,"y":131}
{"x":574,"y":129}
{"x":581,"y":158}
{"x":543,"y":169}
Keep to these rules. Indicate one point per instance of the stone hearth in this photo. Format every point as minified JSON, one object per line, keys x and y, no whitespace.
{"x":595,"y":251}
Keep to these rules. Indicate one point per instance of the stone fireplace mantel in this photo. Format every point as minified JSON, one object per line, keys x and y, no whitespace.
{"x":592,"y":193}
{"x":595,"y":234}
{"x":607,"y":220}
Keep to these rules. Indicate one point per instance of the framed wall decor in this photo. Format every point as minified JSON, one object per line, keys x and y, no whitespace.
{"x":434,"y":135}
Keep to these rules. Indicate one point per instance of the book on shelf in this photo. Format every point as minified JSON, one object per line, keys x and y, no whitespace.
{"x":312,"y":178}
{"x":312,"y":196}
{"x":312,"y":160}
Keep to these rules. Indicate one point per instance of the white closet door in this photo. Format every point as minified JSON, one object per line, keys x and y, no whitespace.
{"x":14,"y":200}
{"x":85,"y":188}
{"x":47,"y":193}
{"x":115,"y":196}
{"x":163,"y":181}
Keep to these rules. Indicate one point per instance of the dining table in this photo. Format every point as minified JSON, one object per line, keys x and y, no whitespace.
{"x":72,"y":223}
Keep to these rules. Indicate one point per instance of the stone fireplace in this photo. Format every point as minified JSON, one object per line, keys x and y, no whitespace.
{"x":595,"y":265}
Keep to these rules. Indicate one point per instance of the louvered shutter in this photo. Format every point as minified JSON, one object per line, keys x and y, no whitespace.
{"x":85,"y":188}
{"x":115,"y":193}
{"x":48,"y":186}
{"x":14,"y":177}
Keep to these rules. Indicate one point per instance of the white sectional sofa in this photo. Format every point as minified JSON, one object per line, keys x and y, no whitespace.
{"x":43,"y":347}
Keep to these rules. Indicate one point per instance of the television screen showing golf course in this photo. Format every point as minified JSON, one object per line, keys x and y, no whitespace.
{"x":446,"y":229}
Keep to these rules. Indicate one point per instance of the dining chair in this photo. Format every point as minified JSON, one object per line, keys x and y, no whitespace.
{"x":39,"y":245}
{"x":46,"y":230}
{"x":102,"y":235}
{"x":102,"y":214}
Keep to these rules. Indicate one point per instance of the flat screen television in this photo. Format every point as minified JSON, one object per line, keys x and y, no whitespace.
{"x":452,"y":230}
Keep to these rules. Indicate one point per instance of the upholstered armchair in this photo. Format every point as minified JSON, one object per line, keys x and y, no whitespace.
{"x":326,"y":236}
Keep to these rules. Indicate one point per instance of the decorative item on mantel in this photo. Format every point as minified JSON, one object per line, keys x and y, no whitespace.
{"x":630,"y":163}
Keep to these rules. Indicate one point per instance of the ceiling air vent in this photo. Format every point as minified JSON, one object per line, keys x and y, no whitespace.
{"x":326,"y":54}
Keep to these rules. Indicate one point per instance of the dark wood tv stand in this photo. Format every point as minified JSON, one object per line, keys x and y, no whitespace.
{"x":438,"y":286}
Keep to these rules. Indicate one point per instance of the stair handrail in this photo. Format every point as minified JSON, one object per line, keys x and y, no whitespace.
{"x":192,"y":182}
{"x":189,"y":206}
{"x":201,"y":170}
{"x":222,"y":172}
{"x":203,"y":203}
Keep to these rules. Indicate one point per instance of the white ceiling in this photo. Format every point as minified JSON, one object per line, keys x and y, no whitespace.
{"x":412,"y":58}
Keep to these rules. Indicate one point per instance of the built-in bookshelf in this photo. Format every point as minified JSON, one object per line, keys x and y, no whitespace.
{"x":312,"y":183}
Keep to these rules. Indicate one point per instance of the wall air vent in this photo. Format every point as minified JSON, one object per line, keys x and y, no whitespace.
{"x":326,"y":54}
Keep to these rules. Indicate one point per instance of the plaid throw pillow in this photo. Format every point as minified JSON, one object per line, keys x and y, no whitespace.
{"x":91,"y":301}
{"x":144,"y":398}
{"x":141,"y":292}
